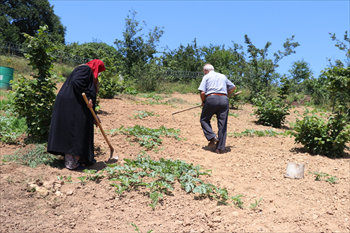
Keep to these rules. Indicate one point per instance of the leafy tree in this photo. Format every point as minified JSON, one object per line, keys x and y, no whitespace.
{"x":299,"y":72}
{"x":258,"y":69}
{"x":339,"y":87}
{"x":344,"y":46}
{"x":8,"y":32}
{"x":184,"y":58}
{"x":151,"y":73}
{"x":284,"y":89}
{"x":227,"y":61}
{"x":137,"y":49}
{"x":93,"y":50}
{"x":26,"y":16}
{"x":34,"y":98}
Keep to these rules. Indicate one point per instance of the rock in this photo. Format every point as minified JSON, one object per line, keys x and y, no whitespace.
{"x":69,"y":192}
{"x":47,"y":185}
{"x":58,"y":193}
{"x":235,"y":213}
{"x":217,"y":219}
{"x":31,"y":187}
{"x":315,"y":216}
{"x":42,"y":191}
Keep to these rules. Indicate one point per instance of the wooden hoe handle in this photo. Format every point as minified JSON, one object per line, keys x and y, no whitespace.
{"x":98,"y":122}
{"x":237,"y":93}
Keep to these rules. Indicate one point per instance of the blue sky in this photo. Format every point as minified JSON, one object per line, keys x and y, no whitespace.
{"x":218,"y":23}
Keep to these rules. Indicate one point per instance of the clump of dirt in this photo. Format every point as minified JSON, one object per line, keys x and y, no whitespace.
{"x":46,"y":198}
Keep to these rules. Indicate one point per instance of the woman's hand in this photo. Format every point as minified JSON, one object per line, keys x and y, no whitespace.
{"x":98,"y":120}
{"x":89,"y":105}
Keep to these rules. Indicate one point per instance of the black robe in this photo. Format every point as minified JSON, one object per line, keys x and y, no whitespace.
{"x":71,"y":129}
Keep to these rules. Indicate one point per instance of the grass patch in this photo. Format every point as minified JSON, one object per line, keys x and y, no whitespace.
{"x":21,"y":67}
{"x":33,"y":155}
{"x":259,"y":133}
{"x":11,"y":127}
{"x":148,"y":137}
{"x":176,"y":101}
{"x":183,"y":88}
{"x":151,"y":95}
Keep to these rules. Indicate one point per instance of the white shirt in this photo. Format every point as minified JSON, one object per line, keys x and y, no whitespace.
{"x":215,"y":82}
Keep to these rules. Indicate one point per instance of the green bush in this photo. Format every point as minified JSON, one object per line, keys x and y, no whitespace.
{"x":109,"y":80}
{"x":236,"y":100}
{"x":271,"y":112}
{"x":34,"y":98}
{"x":323,"y":137}
{"x":109,"y":87}
{"x":130,"y":91}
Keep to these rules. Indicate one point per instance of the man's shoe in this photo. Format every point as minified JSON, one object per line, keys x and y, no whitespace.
{"x":213,"y":141}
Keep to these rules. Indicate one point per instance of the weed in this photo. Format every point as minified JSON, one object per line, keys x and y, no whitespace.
{"x":324,"y":176}
{"x":137,"y":229}
{"x":255,"y":204}
{"x":69,"y":178}
{"x":82,"y":179}
{"x":233,"y":114}
{"x":93,"y":172}
{"x":237,"y":201}
{"x":155,"y":196}
{"x":120,"y":189}
{"x":143,"y":114}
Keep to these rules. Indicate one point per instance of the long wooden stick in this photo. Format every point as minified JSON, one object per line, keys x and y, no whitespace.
{"x":237,"y":93}
{"x":186,"y":109}
{"x":99,"y":125}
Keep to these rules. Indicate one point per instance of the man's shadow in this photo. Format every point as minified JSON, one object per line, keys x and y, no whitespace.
{"x":213,"y":148}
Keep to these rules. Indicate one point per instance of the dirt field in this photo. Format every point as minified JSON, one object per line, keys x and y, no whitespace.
{"x":251,"y":166}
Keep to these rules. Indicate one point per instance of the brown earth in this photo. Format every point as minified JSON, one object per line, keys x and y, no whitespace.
{"x":251,"y":166}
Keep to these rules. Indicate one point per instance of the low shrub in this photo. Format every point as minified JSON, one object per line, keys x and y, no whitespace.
{"x":271,"y":112}
{"x":320,"y":136}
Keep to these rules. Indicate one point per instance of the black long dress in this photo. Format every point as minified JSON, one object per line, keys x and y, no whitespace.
{"x":71,"y":129}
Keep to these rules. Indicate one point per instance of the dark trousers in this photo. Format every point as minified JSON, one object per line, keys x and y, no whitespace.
{"x":219,"y":105}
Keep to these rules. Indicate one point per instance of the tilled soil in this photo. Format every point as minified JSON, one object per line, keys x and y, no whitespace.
{"x":251,"y":166}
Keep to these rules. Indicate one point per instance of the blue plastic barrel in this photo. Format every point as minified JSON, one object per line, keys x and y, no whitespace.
{"x":6,"y":75}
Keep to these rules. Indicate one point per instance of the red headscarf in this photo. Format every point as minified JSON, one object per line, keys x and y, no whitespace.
{"x":96,"y":66}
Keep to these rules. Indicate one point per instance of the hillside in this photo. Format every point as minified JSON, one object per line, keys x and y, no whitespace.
{"x":251,"y":166}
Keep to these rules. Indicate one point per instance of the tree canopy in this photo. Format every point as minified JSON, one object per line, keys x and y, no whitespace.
{"x":26,"y":16}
